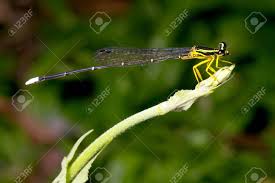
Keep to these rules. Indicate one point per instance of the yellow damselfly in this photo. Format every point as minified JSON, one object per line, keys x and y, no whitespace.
{"x":123,"y":57}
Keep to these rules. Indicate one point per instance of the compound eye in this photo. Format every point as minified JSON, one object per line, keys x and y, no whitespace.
{"x":222,"y":46}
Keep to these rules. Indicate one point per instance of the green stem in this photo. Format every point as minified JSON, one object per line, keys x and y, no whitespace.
{"x":115,"y":131}
{"x":182,"y":100}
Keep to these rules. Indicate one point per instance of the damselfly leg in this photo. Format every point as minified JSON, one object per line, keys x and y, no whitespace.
{"x":208,"y":63}
{"x":223,"y":61}
{"x":196,"y":70}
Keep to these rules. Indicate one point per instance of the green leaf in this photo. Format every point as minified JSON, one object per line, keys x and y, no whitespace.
{"x":82,"y":176}
{"x":62,"y":177}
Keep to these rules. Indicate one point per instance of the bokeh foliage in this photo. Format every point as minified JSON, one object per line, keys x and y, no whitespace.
{"x":214,"y":137}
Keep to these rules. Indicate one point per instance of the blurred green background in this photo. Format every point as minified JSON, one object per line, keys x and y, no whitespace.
{"x":220,"y":139}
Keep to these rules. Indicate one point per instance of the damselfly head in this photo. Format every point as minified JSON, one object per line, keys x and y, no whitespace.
{"x":222,"y":49}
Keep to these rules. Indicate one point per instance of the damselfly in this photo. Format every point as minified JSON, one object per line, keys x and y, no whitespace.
{"x":123,"y":57}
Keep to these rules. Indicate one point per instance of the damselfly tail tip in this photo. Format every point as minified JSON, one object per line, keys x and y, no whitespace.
{"x":32,"y":80}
